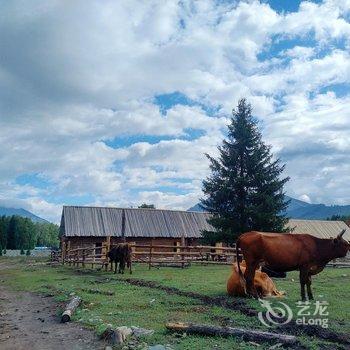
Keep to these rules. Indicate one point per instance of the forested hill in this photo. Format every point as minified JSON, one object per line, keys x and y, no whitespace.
{"x":298,"y":209}
{"x":17,"y":232}
{"x":21,"y":212}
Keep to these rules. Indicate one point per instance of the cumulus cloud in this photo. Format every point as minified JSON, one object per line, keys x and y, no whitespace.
{"x":77,"y":77}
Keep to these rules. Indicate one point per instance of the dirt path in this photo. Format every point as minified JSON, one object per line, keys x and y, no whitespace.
{"x":29,"y":321}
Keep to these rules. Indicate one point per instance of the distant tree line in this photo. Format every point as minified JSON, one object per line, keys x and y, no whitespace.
{"x":147,"y":206}
{"x":337,"y":217}
{"x":21,"y":233}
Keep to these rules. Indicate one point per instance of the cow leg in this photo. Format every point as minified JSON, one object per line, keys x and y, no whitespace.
{"x":308,"y":286}
{"x":115,"y":266}
{"x":130,"y":269}
{"x":121,"y":267}
{"x":249,"y":275}
{"x":303,"y":277}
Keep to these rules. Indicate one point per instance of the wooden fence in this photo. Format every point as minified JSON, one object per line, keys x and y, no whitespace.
{"x":160,"y":255}
{"x":153,"y":255}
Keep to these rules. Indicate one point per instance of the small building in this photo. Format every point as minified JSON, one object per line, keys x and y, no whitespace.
{"x":320,"y":228}
{"x":90,"y":226}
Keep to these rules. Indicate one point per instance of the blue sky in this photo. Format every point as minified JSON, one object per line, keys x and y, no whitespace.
{"x":116,"y":103}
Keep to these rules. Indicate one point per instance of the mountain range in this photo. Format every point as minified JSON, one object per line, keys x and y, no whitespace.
{"x":298,"y":209}
{"x":20,"y":212}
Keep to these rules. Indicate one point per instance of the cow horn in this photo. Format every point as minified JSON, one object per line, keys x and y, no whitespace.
{"x":341,"y":233}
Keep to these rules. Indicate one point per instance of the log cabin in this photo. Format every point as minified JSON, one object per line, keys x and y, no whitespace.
{"x":90,"y":226}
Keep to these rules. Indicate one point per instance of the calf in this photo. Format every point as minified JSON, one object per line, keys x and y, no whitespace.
{"x":287,"y":252}
{"x":263,"y":283}
{"x":121,"y":254}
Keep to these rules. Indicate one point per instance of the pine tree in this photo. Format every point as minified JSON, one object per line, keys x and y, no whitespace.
{"x":245,"y":190}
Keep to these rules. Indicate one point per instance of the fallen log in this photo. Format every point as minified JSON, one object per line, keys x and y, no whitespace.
{"x":246,"y":334}
{"x":70,"y":308}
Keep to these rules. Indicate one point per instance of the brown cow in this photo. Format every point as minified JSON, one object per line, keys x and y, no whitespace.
{"x":287,"y":252}
{"x":121,"y":254}
{"x":262,"y":282}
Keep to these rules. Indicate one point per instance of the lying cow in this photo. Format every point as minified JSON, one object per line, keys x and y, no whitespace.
{"x":121,"y":254}
{"x":264,"y":285}
{"x":288,"y":252}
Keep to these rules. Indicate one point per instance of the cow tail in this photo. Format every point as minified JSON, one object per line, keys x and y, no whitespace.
{"x":241,"y":276}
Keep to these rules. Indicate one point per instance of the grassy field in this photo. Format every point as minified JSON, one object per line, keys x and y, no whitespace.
{"x":151,"y":307}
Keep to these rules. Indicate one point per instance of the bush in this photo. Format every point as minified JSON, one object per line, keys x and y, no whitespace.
{"x":5,"y":251}
{"x":28,"y":252}
{"x":22,"y":251}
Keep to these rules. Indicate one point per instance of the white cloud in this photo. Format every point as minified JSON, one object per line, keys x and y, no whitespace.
{"x":75,"y":76}
{"x":305,"y":198}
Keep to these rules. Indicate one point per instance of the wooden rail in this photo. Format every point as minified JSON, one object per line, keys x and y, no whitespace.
{"x":157,"y":255}
{"x":151,"y":254}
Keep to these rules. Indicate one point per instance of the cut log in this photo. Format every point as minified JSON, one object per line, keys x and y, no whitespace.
{"x":246,"y":334}
{"x":70,"y":308}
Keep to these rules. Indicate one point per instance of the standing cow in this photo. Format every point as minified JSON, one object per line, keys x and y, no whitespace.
{"x":121,"y":254}
{"x":288,"y":252}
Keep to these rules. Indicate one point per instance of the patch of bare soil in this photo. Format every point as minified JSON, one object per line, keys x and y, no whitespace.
{"x":29,"y":321}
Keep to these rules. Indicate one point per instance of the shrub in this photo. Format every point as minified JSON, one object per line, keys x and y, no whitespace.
{"x":22,"y":251}
{"x":28,"y":252}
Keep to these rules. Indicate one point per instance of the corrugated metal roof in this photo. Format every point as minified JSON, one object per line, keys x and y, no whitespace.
{"x":320,"y":228}
{"x":103,"y":221}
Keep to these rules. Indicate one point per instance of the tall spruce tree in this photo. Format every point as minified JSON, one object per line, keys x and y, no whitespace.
{"x":245,"y":189}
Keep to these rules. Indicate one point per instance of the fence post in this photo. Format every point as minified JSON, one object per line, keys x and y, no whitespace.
{"x":79,"y":259}
{"x":83,"y":263}
{"x":133,"y":250}
{"x":93,"y":256}
{"x":183,"y":257}
{"x":108,"y":243}
{"x":104,"y":254}
{"x":150,"y":254}
{"x":63,"y":251}
{"x":68,"y":252}
{"x":218,"y":252}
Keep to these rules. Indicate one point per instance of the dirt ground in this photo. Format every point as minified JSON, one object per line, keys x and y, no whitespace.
{"x":29,"y":321}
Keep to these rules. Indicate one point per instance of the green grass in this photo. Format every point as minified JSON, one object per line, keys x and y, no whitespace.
{"x":152,"y":308}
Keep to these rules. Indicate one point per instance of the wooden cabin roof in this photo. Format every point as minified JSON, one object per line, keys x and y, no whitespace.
{"x":320,"y":228}
{"x":80,"y":221}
